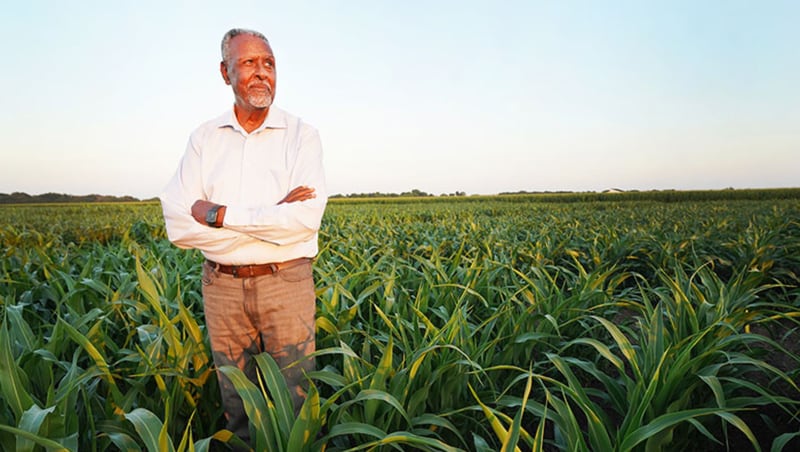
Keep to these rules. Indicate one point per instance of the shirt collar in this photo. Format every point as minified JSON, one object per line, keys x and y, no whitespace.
{"x":276,"y":119}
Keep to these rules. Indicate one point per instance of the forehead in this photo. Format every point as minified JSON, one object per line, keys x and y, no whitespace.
{"x":247,"y":45}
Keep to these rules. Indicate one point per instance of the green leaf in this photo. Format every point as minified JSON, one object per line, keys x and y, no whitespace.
{"x":94,"y":353}
{"x":435,"y":422}
{"x":31,"y":421}
{"x":378,"y":381}
{"x":566,"y":424}
{"x":124,"y":442}
{"x":44,"y":442}
{"x":410,"y":439}
{"x":598,"y":433}
{"x":278,"y":391}
{"x":20,"y":330}
{"x":538,"y":439}
{"x":186,"y":439}
{"x":223,"y":436}
{"x":267,"y":437}
{"x":603,"y":349}
{"x":307,"y":425}
{"x":623,"y":343}
{"x":516,"y":426}
{"x":662,"y":423}
{"x":780,"y":442}
{"x":497,"y":426}
{"x":737,"y":422}
{"x":355,"y":428}
{"x":11,"y":386}
{"x":150,"y":290}
{"x":383,"y":396}
{"x":149,"y":428}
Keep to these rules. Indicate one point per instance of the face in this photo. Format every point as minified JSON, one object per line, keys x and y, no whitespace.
{"x":250,"y":72}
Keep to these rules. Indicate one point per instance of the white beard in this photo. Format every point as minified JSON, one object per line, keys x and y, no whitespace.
{"x":259,"y":100}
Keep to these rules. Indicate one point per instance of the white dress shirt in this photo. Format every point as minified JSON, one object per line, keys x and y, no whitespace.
{"x":249,"y":173}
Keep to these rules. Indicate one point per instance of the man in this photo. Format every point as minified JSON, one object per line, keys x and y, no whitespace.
{"x":250,"y":194}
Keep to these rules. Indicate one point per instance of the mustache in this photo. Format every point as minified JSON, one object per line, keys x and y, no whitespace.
{"x":260,"y":86}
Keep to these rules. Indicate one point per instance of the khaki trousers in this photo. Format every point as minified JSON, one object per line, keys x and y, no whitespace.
{"x":247,"y":316}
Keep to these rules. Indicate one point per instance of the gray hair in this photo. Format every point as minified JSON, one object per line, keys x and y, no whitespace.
{"x":232,"y":33}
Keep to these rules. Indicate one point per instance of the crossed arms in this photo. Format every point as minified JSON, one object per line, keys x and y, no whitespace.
{"x":291,"y":219}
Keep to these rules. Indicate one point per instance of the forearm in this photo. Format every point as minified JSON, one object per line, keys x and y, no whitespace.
{"x":282,"y":224}
{"x":297,"y":216}
{"x":186,"y":232}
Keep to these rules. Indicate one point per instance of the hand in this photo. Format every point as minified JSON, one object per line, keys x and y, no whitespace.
{"x":199,"y":210}
{"x":298,"y":194}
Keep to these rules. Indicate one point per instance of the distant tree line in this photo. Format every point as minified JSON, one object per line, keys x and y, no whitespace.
{"x":543,"y":196}
{"x":415,"y":193}
{"x":611,"y":195}
{"x":24,"y":198}
{"x":754,"y":194}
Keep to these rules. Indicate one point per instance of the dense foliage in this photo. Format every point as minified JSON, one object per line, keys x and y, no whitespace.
{"x":497,"y":323}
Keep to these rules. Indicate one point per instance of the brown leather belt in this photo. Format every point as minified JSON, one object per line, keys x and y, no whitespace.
{"x":247,"y":271}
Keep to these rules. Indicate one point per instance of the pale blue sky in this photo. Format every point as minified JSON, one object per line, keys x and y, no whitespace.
{"x":441,"y":96}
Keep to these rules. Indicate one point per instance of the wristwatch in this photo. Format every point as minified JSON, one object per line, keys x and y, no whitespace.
{"x":211,"y":217}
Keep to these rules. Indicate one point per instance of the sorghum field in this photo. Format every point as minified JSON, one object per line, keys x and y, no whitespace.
{"x":653,"y":322}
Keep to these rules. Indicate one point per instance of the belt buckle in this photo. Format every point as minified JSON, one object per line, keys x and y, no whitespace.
{"x":246,"y":271}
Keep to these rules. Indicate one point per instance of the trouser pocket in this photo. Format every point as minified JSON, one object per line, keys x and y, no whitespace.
{"x":208,"y":274}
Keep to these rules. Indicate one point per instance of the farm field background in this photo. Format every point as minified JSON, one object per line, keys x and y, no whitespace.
{"x":664,"y":321}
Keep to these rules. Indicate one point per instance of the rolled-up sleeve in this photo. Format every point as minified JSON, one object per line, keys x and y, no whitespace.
{"x":177,"y":199}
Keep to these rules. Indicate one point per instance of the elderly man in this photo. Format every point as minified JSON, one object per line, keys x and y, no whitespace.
{"x":250,"y":194}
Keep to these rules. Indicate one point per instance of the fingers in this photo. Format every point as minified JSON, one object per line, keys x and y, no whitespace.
{"x":301,"y":193}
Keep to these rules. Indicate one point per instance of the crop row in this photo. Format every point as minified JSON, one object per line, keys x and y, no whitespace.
{"x":441,"y":326}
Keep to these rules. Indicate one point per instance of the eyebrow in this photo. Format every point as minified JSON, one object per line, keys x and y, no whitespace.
{"x":254,"y":57}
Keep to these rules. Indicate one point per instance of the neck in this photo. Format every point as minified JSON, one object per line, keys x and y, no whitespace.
{"x":250,"y":118}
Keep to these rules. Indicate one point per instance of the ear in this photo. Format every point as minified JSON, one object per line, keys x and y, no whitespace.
{"x":224,"y":71}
